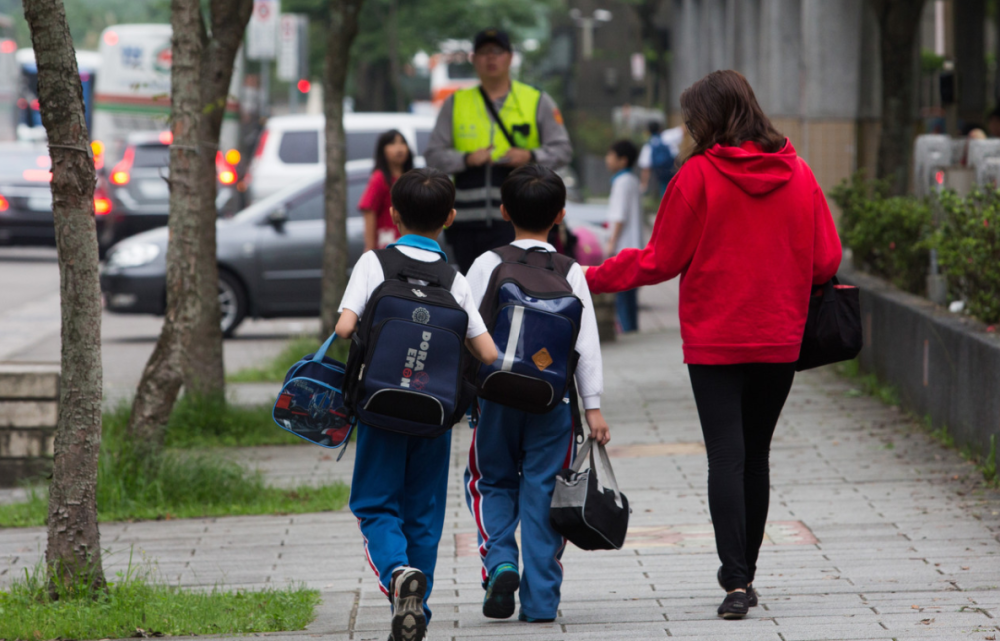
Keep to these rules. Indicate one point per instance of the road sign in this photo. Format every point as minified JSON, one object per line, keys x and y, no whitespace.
{"x":262,"y":32}
{"x":290,"y":40}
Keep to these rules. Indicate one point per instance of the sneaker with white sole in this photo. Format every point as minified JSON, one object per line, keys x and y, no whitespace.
{"x":408,"y":620}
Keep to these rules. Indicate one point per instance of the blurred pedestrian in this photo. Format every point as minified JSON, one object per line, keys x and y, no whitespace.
{"x":624,"y":221}
{"x":659,"y":156}
{"x":993,"y":124}
{"x":485,"y":132}
{"x":393,"y":158}
{"x":747,"y":227}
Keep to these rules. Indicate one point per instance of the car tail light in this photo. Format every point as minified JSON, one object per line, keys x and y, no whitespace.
{"x":233,"y":157}
{"x":259,"y":151}
{"x":167,"y":137}
{"x":225,"y":171}
{"x":120,"y":172}
{"x":4,"y":205}
{"x":227,"y":177}
{"x":98,"y":148}
{"x":102,"y":204}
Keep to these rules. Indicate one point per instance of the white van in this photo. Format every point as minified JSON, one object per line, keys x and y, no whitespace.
{"x":291,"y":148}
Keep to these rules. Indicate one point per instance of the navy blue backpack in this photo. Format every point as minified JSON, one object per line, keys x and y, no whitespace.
{"x":405,"y":367}
{"x":534,"y":318}
{"x":311,"y":402}
{"x":662,"y":160}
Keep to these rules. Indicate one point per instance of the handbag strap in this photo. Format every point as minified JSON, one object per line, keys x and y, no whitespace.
{"x":587,"y":451}
{"x":321,"y":352}
{"x":496,"y":117}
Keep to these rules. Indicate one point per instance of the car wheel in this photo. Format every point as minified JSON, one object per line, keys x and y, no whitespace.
{"x":232,"y":302}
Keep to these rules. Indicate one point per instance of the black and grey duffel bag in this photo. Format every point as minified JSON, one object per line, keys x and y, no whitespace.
{"x":590,"y":512}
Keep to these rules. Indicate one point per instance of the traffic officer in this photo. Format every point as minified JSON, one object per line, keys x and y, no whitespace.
{"x":485,"y":132}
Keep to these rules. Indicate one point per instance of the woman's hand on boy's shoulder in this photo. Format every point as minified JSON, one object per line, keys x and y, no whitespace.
{"x":599,"y":430}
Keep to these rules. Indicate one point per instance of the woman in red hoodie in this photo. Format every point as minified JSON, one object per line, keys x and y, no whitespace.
{"x":748,"y":230}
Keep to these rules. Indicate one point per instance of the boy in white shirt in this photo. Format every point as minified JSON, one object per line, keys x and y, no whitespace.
{"x":624,"y":221}
{"x":400,"y":484}
{"x":515,"y":455}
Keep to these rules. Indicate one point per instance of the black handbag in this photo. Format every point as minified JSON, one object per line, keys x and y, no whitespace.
{"x":589,"y":515}
{"x":833,"y":327}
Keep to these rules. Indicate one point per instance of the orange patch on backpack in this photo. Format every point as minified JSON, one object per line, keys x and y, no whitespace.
{"x":542,"y":359}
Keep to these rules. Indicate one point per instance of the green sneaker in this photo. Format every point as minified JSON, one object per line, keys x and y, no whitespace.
{"x":499,"y":600}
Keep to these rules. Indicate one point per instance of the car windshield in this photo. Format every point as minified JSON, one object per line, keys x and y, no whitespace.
{"x":31,"y":164}
{"x":151,"y":156}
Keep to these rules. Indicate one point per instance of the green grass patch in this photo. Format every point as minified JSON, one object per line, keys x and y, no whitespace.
{"x":211,"y":422}
{"x":135,"y":605}
{"x":274,"y":370}
{"x":132,"y":485}
{"x":869,"y":384}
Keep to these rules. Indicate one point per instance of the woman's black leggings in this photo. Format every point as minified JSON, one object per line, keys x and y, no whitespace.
{"x":739,"y":406}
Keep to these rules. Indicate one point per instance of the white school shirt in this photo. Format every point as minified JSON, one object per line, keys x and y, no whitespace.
{"x":368,"y":275}
{"x":625,"y":206}
{"x":590,"y":368}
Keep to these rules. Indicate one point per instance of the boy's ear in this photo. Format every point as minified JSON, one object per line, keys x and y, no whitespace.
{"x":451,"y":218}
{"x":503,"y":212}
{"x":559,"y":217}
{"x":396,"y":220}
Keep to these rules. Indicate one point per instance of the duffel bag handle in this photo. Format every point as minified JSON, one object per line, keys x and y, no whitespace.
{"x":587,"y":451}
{"x":321,"y":352}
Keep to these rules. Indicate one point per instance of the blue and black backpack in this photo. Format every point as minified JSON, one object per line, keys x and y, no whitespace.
{"x":662,"y":160}
{"x":534,"y":318}
{"x":404,"y":373}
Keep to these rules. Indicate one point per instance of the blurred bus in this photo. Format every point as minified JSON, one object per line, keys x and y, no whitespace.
{"x":133,"y":90}
{"x":29,"y":118}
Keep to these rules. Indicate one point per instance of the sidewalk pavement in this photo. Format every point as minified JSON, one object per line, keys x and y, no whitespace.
{"x":875,"y":532}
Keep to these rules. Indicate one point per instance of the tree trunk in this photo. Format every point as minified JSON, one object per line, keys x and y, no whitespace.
{"x":898,"y":24}
{"x":343,"y":28}
{"x":73,"y":553}
{"x":205,"y":374}
{"x":189,"y":349}
{"x":392,"y":43}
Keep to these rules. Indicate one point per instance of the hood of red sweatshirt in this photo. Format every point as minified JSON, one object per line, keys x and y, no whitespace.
{"x":752,"y":170}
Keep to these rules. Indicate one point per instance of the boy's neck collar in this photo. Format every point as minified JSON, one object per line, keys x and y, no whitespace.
{"x":538,"y":238}
{"x":620,"y":172}
{"x":421,"y":242}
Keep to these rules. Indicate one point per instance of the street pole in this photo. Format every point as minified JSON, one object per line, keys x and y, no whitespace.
{"x":265,"y":88}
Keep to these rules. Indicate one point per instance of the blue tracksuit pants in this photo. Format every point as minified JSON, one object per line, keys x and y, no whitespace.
{"x":398,"y":495}
{"x":513,"y":462}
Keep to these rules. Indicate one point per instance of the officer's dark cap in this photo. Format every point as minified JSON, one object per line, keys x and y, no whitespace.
{"x":496,"y":36}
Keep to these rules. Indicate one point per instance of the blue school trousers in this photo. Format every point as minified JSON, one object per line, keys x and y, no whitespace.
{"x":398,"y":495}
{"x":513,"y":463}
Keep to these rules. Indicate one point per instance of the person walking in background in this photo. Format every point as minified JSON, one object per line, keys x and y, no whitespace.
{"x":624,"y":221}
{"x":485,"y":132}
{"x":748,"y":228}
{"x":659,"y":156}
{"x":393,"y":158}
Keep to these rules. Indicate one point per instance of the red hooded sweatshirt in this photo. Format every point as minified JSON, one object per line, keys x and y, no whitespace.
{"x":749,"y":233}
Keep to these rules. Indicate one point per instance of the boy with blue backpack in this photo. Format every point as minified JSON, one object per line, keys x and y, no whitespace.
{"x":542,"y":319}
{"x":409,"y":314}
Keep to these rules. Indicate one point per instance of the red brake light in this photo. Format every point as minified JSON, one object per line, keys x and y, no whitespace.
{"x":119,"y":173}
{"x":102,"y":206}
{"x":167,"y":137}
{"x":259,"y":151}
{"x":227,"y":177}
{"x":939,"y":177}
{"x":4,"y":205}
{"x":304,"y":85}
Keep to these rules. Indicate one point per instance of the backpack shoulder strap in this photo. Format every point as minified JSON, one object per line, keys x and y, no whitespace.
{"x":563,"y":264}
{"x":509,"y":253}
{"x":397,"y":265}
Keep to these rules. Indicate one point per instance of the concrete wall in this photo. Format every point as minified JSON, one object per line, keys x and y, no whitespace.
{"x":29,"y":396}
{"x":944,"y":366}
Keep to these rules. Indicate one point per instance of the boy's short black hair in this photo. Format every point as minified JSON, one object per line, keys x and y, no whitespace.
{"x":424,"y":198}
{"x":627,"y":150}
{"x":533,"y":196}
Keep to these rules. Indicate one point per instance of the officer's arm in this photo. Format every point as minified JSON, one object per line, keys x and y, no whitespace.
{"x":441,"y":153}
{"x":556,"y":150}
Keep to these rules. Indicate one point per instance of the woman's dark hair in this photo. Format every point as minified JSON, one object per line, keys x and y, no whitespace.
{"x":533,"y":196}
{"x":424,"y":198}
{"x":382,"y":163}
{"x":627,"y":150}
{"x":722,"y":109}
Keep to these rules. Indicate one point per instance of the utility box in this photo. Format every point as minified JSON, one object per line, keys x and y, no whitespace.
{"x":29,"y":409}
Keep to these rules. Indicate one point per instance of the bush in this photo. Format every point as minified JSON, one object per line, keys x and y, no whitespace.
{"x":274,"y":370}
{"x":889,"y":236}
{"x":969,"y":250}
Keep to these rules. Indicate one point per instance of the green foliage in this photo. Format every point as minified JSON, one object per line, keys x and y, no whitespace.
{"x":87,"y":18}
{"x":274,"y":370}
{"x":134,"y":484}
{"x":969,"y":250}
{"x":888,"y":235}
{"x":930,"y":61}
{"x":137,"y":605}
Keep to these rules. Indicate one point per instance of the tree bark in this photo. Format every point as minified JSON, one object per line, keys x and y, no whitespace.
{"x":898,"y":24}
{"x":73,"y":553}
{"x":343,"y":29}
{"x":189,"y":350}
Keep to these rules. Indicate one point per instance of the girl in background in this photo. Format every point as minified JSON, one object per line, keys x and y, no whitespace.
{"x":393,"y":158}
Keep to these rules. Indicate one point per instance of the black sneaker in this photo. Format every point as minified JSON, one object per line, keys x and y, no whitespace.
{"x":521,"y":616}
{"x":751,"y":593}
{"x":499,"y":600}
{"x":408,"y":620}
{"x":735,"y":606}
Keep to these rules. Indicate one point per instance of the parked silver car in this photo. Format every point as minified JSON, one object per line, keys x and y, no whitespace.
{"x":270,"y":256}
